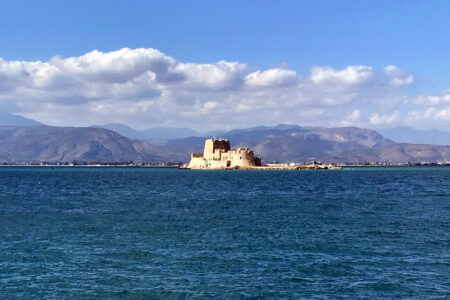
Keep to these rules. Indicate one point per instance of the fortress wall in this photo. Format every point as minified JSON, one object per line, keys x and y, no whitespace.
{"x":198,"y":163}
{"x":217,"y":164}
{"x":240,"y":158}
{"x":218,"y":155}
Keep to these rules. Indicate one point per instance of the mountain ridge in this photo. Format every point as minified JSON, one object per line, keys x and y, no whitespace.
{"x":410,"y":135}
{"x":281,"y":143}
{"x":291,"y":143}
{"x":65,"y":144}
{"x":154,"y":135}
{"x":395,"y":153}
{"x":8,"y":119}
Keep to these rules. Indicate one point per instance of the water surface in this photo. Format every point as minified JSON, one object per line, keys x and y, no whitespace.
{"x":161,"y":233}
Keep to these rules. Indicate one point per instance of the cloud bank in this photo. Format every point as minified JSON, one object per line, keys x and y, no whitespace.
{"x":145,"y":88}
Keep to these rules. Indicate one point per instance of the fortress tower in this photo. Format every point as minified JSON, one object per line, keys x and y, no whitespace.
{"x":214,"y":148}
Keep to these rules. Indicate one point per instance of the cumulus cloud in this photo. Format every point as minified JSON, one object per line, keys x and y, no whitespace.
{"x":434,"y":100}
{"x":215,"y":77}
{"x":388,"y":119}
{"x":272,"y":78}
{"x":352,"y":118}
{"x":352,"y":75}
{"x":437,"y":114}
{"x":397,"y":77}
{"x":145,"y":87}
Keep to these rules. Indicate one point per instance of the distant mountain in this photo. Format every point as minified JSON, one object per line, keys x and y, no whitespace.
{"x":287,"y":143}
{"x":160,"y":135}
{"x":411,"y":135}
{"x":282,"y":143}
{"x":214,"y":133}
{"x":66,"y":144}
{"x":8,"y":119}
{"x":156,"y":135}
{"x":121,"y":129}
{"x":395,"y":153}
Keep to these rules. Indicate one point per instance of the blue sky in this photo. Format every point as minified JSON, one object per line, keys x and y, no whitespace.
{"x":412,"y":35}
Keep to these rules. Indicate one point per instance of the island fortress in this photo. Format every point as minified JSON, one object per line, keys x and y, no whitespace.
{"x":218,"y":155}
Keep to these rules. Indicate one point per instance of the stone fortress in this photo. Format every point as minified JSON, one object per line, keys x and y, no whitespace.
{"x":218,"y":155}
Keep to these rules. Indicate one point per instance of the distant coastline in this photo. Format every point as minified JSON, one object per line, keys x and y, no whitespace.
{"x":270,"y":166}
{"x":125,"y":164}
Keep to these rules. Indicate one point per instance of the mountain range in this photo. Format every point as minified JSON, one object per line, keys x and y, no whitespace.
{"x":414,"y":136}
{"x":8,"y":119}
{"x":67,"y":144}
{"x":394,"y":153}
{"x":23,"y":140}
{"x":285,"y":143}
{"x":155,"y":135}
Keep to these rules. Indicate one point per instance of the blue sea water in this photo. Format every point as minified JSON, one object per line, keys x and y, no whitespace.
{"x":161,"y":233}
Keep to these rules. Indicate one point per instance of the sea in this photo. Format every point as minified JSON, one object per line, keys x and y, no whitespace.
{"x":164,"y":233}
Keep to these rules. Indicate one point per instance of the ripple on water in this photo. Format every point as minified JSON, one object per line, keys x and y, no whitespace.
{"x":142,"y":233}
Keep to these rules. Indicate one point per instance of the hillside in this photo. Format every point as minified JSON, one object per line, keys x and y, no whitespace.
{"x":414,"y":136}
{"x":8,"y":119}
{"x":395,"y":153}
{"x":155,"y":135}
{"x":66,"y":144}
{"x":286,"y":143}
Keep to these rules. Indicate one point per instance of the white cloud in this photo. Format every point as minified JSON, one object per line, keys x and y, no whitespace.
{"x":354,"y":115}
{"x":219,"y":76}
{"x":437,"y":114}
{"x":376,"y":119}
{"x":434,"y":100}
{"x":145,"y":88}
{"x":208,"y":107}
{"x":352,"y":75}
{"x":351,"y":119}
{"x":272,"y":78}
{"x":397,"y":77}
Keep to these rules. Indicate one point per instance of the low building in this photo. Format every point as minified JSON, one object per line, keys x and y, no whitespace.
{"x":218,"y":155}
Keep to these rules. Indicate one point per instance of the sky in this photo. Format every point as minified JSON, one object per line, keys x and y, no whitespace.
{"x":211,"y":65}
